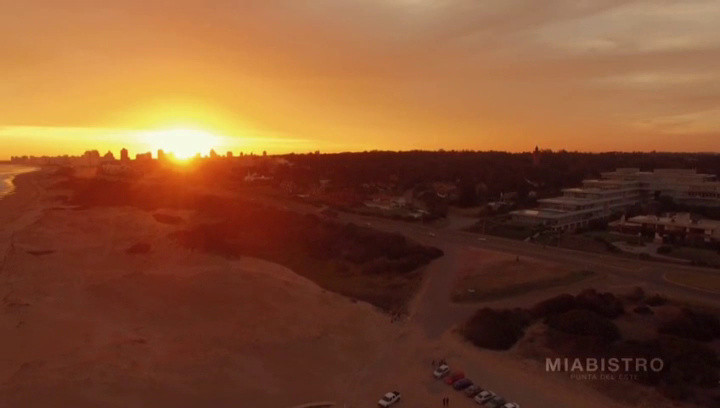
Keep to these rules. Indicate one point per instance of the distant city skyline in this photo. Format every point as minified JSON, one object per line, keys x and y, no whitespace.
{"x":225,"y":151}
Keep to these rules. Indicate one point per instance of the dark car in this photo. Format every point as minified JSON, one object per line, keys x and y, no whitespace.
{"x":462,"y":384}
{"x":472,"y":390}
{"x":496,"y":402}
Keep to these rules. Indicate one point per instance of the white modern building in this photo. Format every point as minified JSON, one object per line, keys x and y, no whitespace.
{"x":684,"y":186}
{"x":680,"y":225}
{"x":616,"y":191}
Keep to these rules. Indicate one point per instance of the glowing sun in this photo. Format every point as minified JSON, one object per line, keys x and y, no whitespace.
{"x":184,"y":143}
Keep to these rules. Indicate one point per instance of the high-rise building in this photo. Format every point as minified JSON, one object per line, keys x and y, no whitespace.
{"x":124,"y":155}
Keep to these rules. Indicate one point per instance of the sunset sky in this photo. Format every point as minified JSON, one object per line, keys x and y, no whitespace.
{"x":333,"y":75}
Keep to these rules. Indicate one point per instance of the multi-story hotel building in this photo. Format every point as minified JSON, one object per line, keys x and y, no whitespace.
{"x":615,"y":191}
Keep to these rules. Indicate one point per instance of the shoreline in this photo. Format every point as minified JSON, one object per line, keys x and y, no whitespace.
{"x":11,"y":178}
{"x":19,"y":209}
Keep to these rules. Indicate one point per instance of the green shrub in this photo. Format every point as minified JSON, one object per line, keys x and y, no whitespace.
{"x":643,"y":310}
{"x":558,"y":304}
{"x":605,"y":304}
{"x":664,"y":249}
{"x":694,"y":325}
{"x":496,"y":329}
{"x":637,"y":294}
{"x":585,"y":323}
{"x":656,"y":300}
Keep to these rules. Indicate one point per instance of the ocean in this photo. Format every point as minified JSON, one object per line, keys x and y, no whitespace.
{"x":8,"y":173}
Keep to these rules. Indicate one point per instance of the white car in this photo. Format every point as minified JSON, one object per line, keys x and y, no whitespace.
{"x":484,"y":397}
{"x":441,"y":371}
{"x":511,"y":405}
{"x":389,"y":399}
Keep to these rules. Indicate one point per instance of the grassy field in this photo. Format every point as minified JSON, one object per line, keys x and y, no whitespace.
{"x":699,"y":280}
{"x":520,"y":288}
{"x":699,"y":256}
{"x":497,"y":276}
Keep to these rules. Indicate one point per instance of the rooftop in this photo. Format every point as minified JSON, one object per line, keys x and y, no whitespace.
{"x":681,"y":219}
{"x":540,"y":213}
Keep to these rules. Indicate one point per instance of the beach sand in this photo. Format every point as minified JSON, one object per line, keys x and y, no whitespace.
{"x":85,"y":324}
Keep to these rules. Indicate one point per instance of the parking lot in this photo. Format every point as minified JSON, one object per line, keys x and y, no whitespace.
{"x":455,"y":385}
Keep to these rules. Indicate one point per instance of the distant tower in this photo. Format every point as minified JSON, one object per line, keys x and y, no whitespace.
{"x":161,"y":155}
{"x":536,"y":157}
{"x":213,"y":154}
{"x":229,"y":155}
{"x":124,"y":155}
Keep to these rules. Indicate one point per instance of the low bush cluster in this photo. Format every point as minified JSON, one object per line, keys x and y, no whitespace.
{"x":656,"y":300}
{"x":686,"y":364}
{"x":496,"y":329}
{"x":605,"y":304}
{"x":693,"y":325}
{"x":585,"y":323}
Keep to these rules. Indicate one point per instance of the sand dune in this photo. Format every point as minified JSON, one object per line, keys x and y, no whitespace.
{"x":92,"y":325}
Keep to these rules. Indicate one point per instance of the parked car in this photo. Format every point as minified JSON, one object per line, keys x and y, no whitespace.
{"x":441,"y":371}
{"x":452,"y":378}
{"x":462,"y":384}
{"x":484,"y":396}
{"x":511,"y":405}
{"x":389,"y":399}
{"x":473,"y":390}
{"x":496,"y":402}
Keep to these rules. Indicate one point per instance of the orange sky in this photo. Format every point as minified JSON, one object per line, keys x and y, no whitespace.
{"x":301,"y":75}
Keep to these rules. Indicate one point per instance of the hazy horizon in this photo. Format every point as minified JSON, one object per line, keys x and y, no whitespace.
{"x":236,"y":152}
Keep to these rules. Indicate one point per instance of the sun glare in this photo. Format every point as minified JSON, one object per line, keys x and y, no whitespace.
{"x":184,"y":143}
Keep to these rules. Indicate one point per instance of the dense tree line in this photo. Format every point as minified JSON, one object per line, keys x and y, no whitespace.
{"x":480,"y":175}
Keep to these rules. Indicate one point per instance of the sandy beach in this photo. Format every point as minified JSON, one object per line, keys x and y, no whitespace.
{"x":86,"y":324}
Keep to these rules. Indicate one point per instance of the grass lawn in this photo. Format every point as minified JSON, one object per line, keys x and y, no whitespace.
{"x":611,"y":236}
{"x":698,"y":280}
{"x":495,"y":276}
{"x":700,"y":256}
